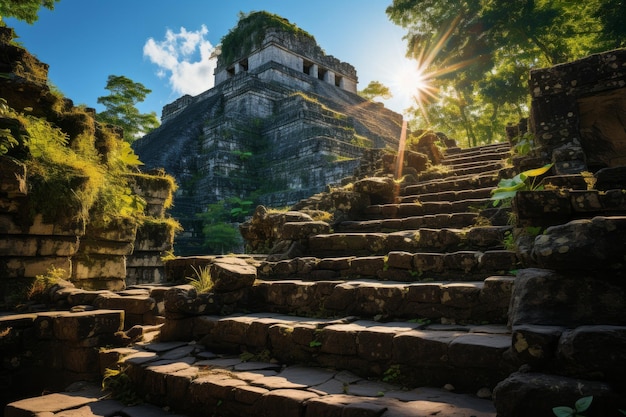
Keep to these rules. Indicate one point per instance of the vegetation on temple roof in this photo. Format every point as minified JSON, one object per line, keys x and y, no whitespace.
{"x":250,"y":32}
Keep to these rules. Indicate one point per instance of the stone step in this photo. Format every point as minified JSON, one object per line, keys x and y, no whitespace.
{"x":483,"y":180}
{"x":454,"y":220}
{"x":438,"y":301}
{"x":420,"y":240}
{"x":445,"y":172}
{"x":492,"y":147}
{"x":419,"y":208}
{"x":471,"y":163}
{"x":395,"y":266}
{"x":417,"y":352}
{"x":193,"y":379}
{"x":452,"y":195}
{"x":491,"y":156}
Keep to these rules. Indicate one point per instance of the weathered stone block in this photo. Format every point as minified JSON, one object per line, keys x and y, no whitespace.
{"x":428,"y":262}
{"x":44,"y":323}
{"x":418,"y":347}
{"x":335,"y":264}
{"x":80,"y":359}
{"x":299,"y":231}
{"x":231,"y":274}
{"x":542,"y":208}
{"x":38,"y":227}
{"x":376,"y":343}
{"x":339,"y":339}
{"x":405,"y":241}
{"x":379,"y":299}
{"x":91,"y":246}
{"x":487,"y":236}
{"x":58,"y":246}
{"x":130,"y":304}
{"x":526,"y":394}
{"x":155,"y":236}
{"x":31,"y":267}
{"x":98,"y":266}
{"x":462,"y":295}
{"x":583,"y":244}
{"x":478,"y":350}
{"x":594,"y":352}
{"x":423,"y":293}
{"x":285,"y":402}
{"x":536,"y":345}
{"x":77,"y":326}
{"x":496,"y":291}
{"x":366,"y":266}
{"x":284,"y":346}
{"x":548,"y":298}
{"x":466,"y":261}
{"x":498,"y":260}
{"x":121,"y":229}
{"x":442,"y":240}
{"x":381,"y":190}
{"x":178,"y":385}
{"x":18,"y":246}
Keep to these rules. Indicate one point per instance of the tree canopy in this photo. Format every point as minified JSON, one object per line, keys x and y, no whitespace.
{"x":121,"y":107}
{"x":25,"y":10}
{"x":478,"y":53}
{"x":376,"y":89}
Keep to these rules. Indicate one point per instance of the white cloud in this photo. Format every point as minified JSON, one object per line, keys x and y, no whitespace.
{"x":186,"y":57}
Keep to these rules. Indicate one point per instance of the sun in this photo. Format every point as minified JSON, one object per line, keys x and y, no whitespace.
{"x":412,"y":84}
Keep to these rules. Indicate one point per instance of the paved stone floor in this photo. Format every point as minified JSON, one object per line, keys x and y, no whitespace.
{"x":214,"y":385}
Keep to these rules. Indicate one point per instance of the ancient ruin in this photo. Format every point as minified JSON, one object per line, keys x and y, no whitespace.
{"x":282,"y":122}
{"x":376,"y":298}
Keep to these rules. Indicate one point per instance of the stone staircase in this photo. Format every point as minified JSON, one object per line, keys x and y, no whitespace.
{"x":407,"y":307}
{"x":409,"y":294}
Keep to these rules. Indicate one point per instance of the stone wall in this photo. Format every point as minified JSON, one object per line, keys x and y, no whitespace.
{"x":298,"y":53}
{"x":94,"y":257}
{"x":48,"y":351}
{"x":577,"y":114}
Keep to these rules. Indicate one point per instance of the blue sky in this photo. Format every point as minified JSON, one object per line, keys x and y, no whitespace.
{"x":166,"y":45}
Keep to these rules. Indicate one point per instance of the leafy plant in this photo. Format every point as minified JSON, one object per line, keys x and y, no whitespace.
{"x":44,"y":282}
{"x":120,"y":386}
{"x":508,"y":187}
{"x":579,"y":407}
{"x":7,"y":141}
{"x":202,"y":282}
{"x":392,"y":373}
{"x":524,"y":145}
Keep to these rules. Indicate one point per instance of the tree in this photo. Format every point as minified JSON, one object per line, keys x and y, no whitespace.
{"x":121,"y":110}
{"x":25,"y":10}
{"x":479,"y":52}
{"x":219,"y":224}
{"x":376,"y":89}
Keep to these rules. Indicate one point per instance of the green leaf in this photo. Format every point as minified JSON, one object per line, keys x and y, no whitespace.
{"x":502,"y":195}
{"x":537,"y":171}
{"x":128,"y":156}
{"x":583,"y":403}
{"x":563,"y":412}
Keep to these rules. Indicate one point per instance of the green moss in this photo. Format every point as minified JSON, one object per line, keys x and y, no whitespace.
{"x":250,"y":32}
